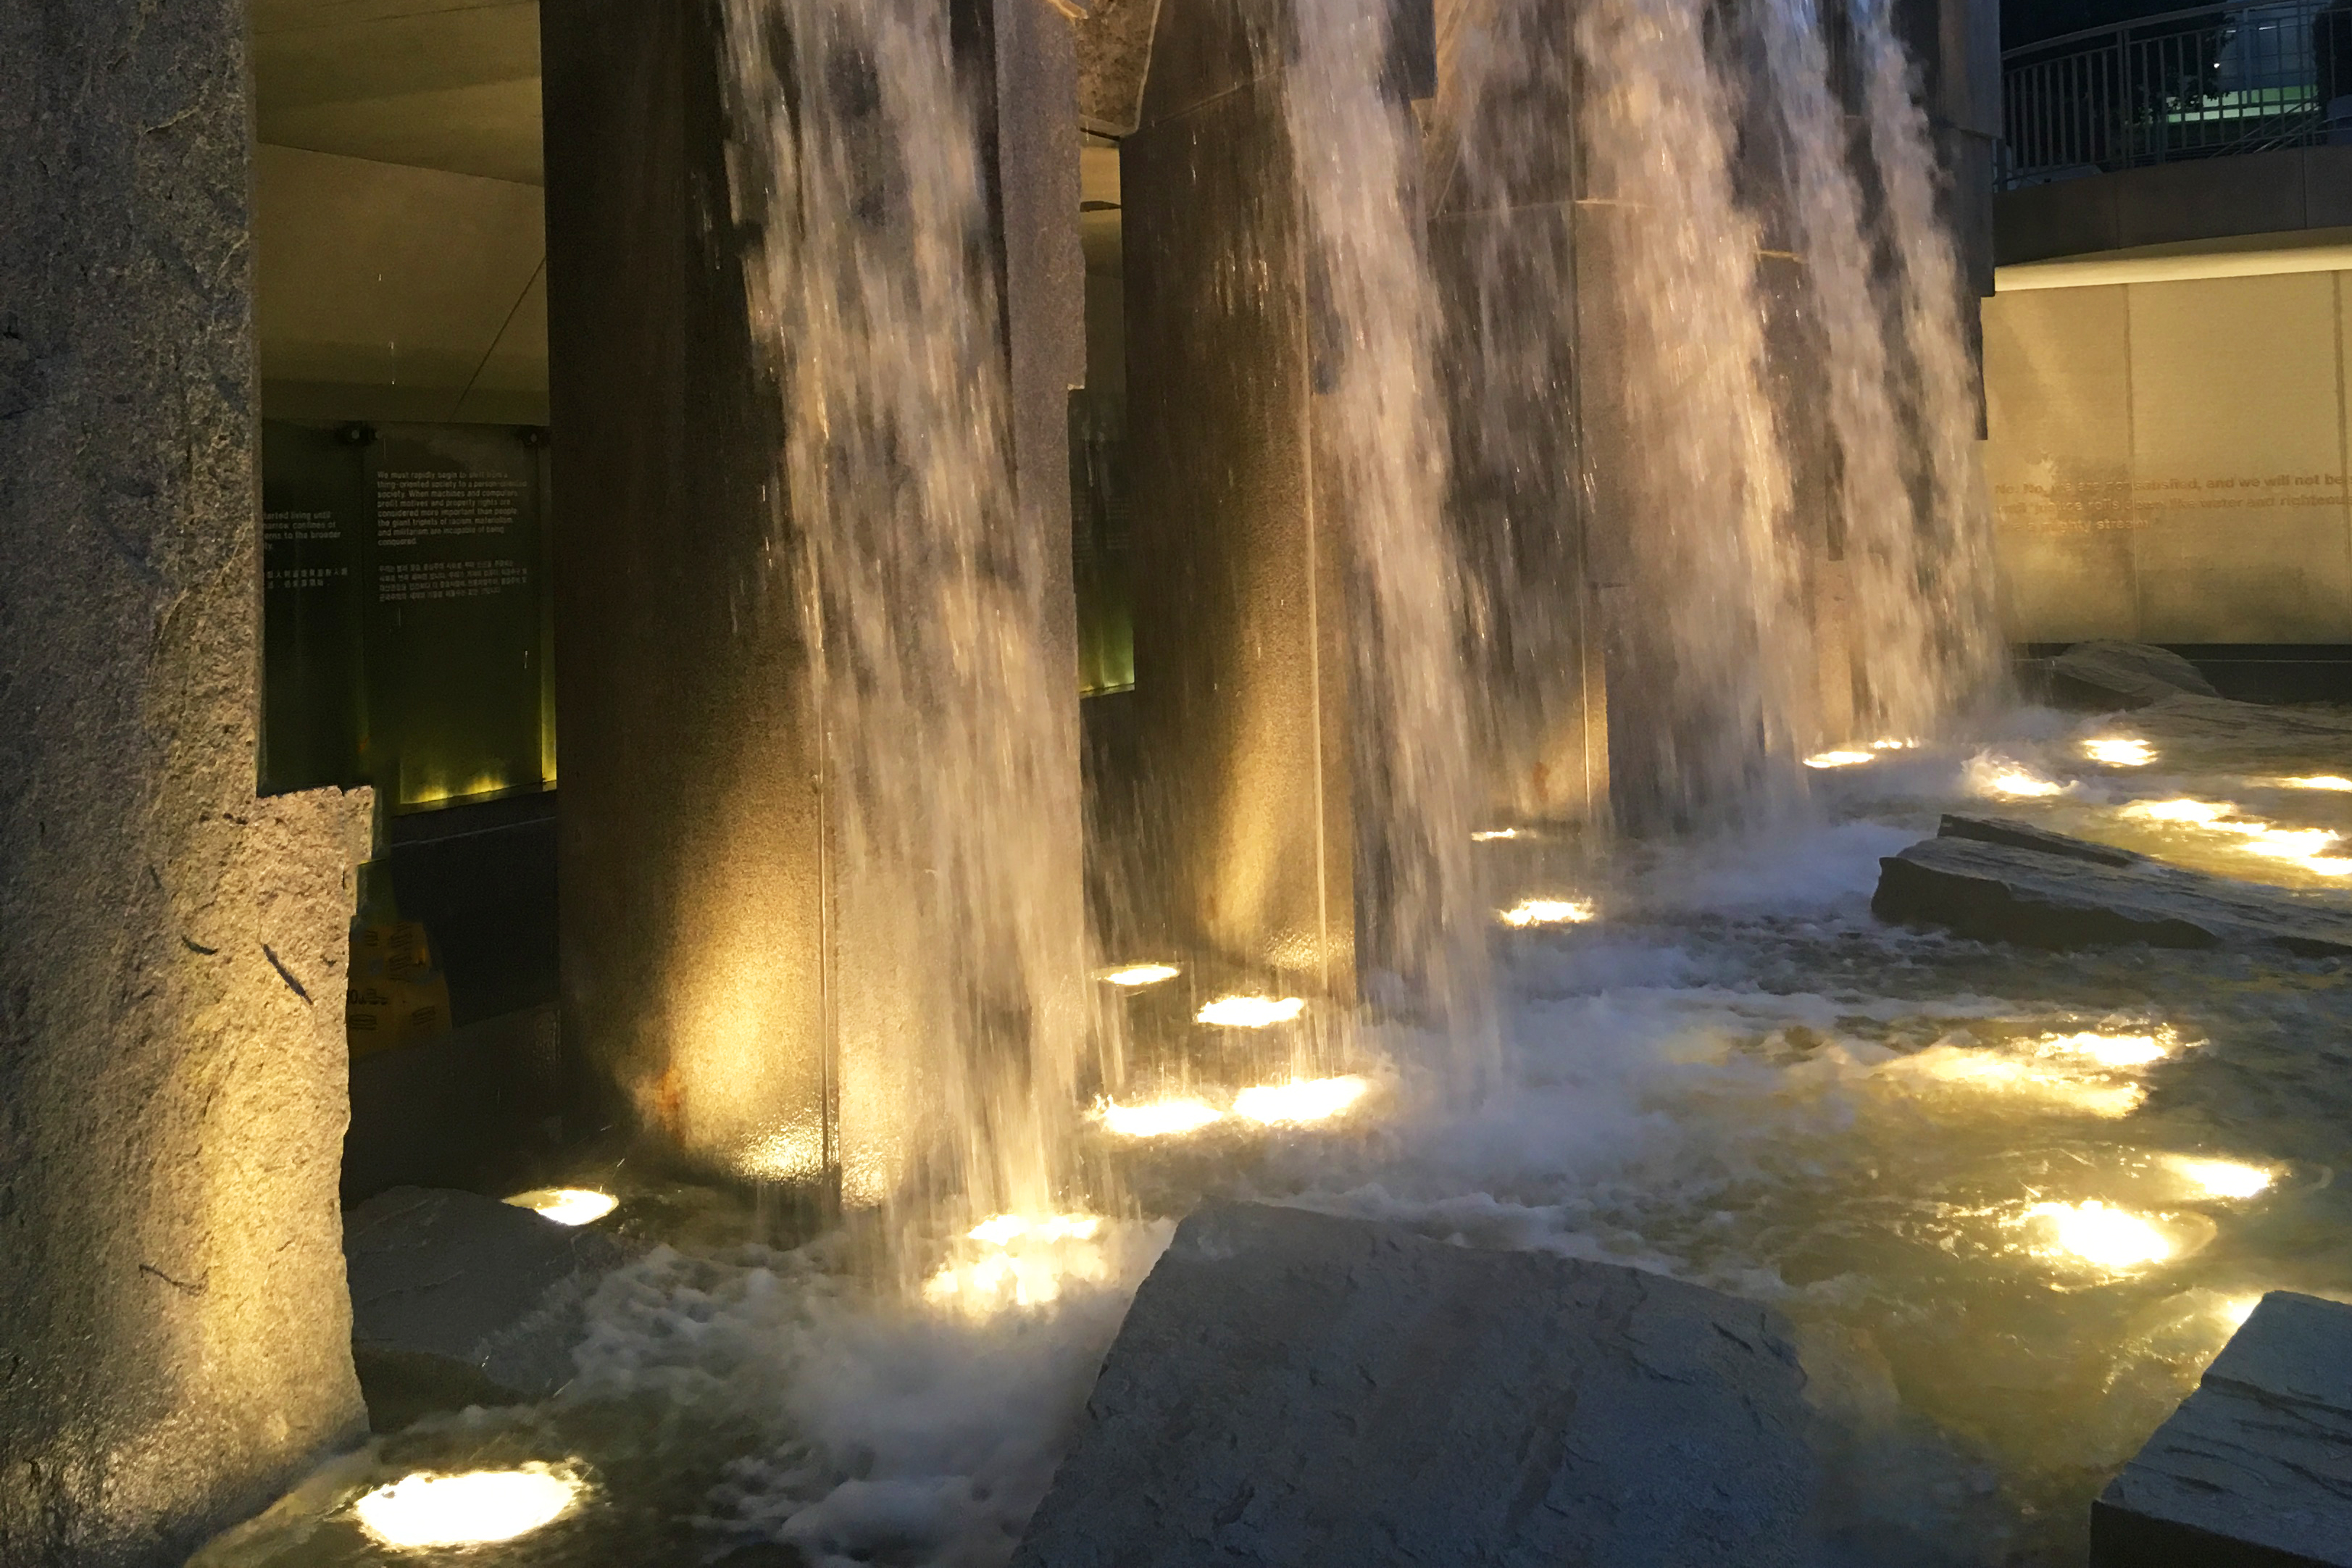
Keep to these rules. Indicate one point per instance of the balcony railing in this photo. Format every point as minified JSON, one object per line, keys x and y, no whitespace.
{"x":2206,"y":82}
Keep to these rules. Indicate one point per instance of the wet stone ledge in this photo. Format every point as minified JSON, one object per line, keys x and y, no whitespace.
{"x":1294,"y":1388}
{"x":2254,"y":1469}
{"x":2009,"y":881}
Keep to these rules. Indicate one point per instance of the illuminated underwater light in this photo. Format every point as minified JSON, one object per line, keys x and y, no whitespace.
{"x":2119,"y":750}
{"x":2018,"y":783}
{"x":1889,"y":743}
{"x":566,"y":1205}
{"x":2223,"y":1178}
{"x":1030,"y":1260}
{"x":1250,"y":1012}
{"x":1138,"y":974}
{"x":2318,"y":781}
{"x":2202,"y":812}
{"x":1301,"y":1099}
{"x":1160,"y":1119}
{"x":1488,"y":835}
{"x":1839,"y":759}
{"x":426,"y":1510}
{"x":1985,"y":1071}
{"x":2113,"y":1240}
{"x":2237,"y":1310}
{"x":2305,"y":846}
{"x":2108,"y":1050}
{"x":1548,"y":913}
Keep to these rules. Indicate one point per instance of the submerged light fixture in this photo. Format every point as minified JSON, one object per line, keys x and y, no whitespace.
{"x":566,"y":1205}
{"x":2108,"y":1050}
{"x":1139,"y":975}
{"x":2112,"y":1239}
{"x":1489,"y":835}
{"x":2019,"y":784}
{"x":1840,"y":759}
{"x":1160,"y":1118}
{"x":2305,"y":846}
{"x":2223,"y":1178}
{"x":1548,"y":913}
{"x":1302,"y":1099}
{"x":1250,"y":1012}
{"x":2119,"y":750}
{"x":427,"y":1509}
{"x":2319,"y":781}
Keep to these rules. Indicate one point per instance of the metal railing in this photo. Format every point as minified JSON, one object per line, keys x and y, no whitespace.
{"x":2210,"y":81}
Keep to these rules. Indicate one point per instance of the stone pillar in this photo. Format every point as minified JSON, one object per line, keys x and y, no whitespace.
{"x":1502,"y":232}
{"x":175,"y":1329}
{"x":1240,"y":626}
{"x":689,"y":818}
{"x":702,"y":951}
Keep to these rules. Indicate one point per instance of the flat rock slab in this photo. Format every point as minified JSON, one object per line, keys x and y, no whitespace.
{"x":2255,"y":1467}
{"x":2009,"y":881}
{"x":2123,"y":675}
{"x":461,"y":1300}
{"x":1293,"y":1389}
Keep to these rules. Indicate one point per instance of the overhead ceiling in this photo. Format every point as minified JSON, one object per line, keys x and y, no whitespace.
{"x":433,"y":84}
{"x":399,"y":227}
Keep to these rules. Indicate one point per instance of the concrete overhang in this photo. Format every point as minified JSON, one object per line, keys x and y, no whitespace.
{"x":2239,"y":256}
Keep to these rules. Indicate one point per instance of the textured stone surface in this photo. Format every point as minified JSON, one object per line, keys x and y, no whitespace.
{"x":1243,"y":725}
{"x":174,"y":1337}
{"x":1113,"y":42}
{"x":2255,"y":1467}
{"x":1291,"y":1389}
{"x":466,"y":1298}
{"x":2123,"y":675}
{"x":2007,"y":882}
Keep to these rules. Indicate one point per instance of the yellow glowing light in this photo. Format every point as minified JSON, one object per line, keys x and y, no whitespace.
{"x":1488,"y":835}
{"x":427,"y":1509}
{"x":1838,"y":759}
{"x":1004,"y":1229}
{"x":1033,"y":1257}
{"x":1136,"y":974}
{"x":2019,"y":784}
{"x":566,"y":1205}
{"x":1300,"y":1099}
{"x":2223,"y":1178}
{"x":2109,"y":1050}
{"x":1888,"y":744}
{"x":1988,"y":1072}
{"x":2303,"y":846}
{"x":2237,"y":1310}
{"x":2113,"y":1240}
{"x":2119,"y":750}
{"x":1250,"y":1012}
{"x":1548,"y":913}
{"x":2318,"y":781}
{"x":2202,"y":812}
{"x":1160,"y":1119}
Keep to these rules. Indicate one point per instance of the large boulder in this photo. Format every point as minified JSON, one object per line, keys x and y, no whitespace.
{"x":2255,"y":1467}
{"x":2009,"y":881}
{"x":1291,"y":1388}
{"x":2109,"y":675}
{"x":461,"y":1300}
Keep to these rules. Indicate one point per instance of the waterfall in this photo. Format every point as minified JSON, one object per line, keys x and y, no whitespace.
{"x":1381,"y":464}
{"x":1763,"y":490}
{"x":957,"y":982}
{"x":1709,"y":659}
{"x":1952,"y":588}
{"x":1893,"y":369}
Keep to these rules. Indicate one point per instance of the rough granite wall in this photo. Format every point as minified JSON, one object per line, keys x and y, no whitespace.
{"x":175,"y":1330}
